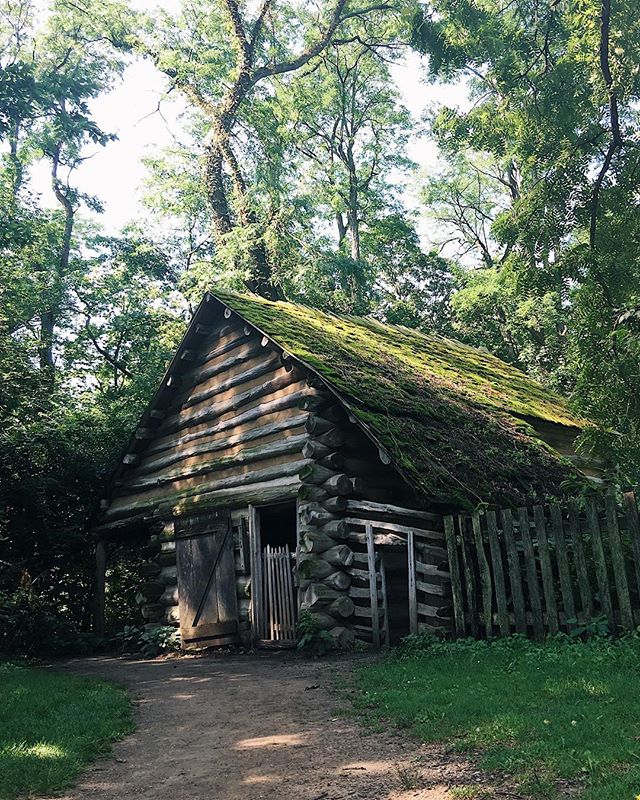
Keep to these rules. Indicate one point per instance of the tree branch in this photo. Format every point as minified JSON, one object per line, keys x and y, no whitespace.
{"x":616,"y":137}
{"x":337,"y":19}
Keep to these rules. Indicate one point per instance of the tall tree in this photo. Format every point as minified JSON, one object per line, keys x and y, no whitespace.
{"x":556,"y":88}
{"x":352,"y":130}
{"x":52,"y":68}
{"x":224,"y":60}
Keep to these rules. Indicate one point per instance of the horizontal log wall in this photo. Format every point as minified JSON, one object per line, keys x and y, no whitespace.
{"x":232,"y":432}
{"x":419,"y":535}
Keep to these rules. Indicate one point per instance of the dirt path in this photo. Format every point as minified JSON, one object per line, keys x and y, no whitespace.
{"x":257,"y":727}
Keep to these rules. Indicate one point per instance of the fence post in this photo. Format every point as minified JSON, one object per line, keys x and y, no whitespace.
{"x":469,"y":578}
{"x":586,"y":598}
{"x":548,"y":588}
{"x":617,"y":561}
{"x":633,"y":524}
{"x":373,"y":586}
{"x":515,"y":576}
{"x":485,"y":575}
{"x":498,"y":574}
{"x":601,"y":562}
{"x":532,"y":574}
{"x":413,"y":594}
{"x":563,"y":565}
{"x":454,"y":570}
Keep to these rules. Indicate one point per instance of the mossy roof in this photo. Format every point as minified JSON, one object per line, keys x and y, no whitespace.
{"x":451,"y":416}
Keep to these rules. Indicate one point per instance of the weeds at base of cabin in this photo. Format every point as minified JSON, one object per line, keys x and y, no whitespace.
{"x":313,"y":639}
{"x":150,"y":641}
{"x":559,"y":718}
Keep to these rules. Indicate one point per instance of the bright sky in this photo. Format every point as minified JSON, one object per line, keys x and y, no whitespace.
{"x":115,"y":173}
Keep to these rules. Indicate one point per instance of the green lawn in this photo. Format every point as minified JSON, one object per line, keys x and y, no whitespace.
{"x":51,"y":725}
{"x":565,"y":709}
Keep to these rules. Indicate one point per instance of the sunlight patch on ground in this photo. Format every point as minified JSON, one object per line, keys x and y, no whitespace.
{"x":40,"y":750}
{"x":284,"y":740}
{"x":252,"y":780}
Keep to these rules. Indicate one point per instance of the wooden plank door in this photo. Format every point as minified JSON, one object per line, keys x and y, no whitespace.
{"x":206,"y":580}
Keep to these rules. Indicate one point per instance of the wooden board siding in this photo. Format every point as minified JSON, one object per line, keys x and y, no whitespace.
{"x":563,"y":438}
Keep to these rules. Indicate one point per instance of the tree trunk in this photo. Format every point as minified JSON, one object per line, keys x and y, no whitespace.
{"x":17,"y":172}
{"x":49,"y":314}
{"x":45,"y":346}
{"x":342,"y":229}
{"x":214,"y":178}
{"x":99,"y":588}
{"x":220,"y":154}
{"x":354,"y":225}
{"x":352,"y":212}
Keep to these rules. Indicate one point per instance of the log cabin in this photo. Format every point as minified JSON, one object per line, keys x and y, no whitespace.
{"x":299,"y":461}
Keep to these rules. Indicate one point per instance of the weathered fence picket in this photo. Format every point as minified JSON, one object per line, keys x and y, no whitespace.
{"x":456,"y":580}
{"x":633,"y":526}
{"x":584,"y":583}
{"x":498,"y":574}
{"x":469,"y":576}
{"x":562,"y":559}
{"x":533,"y":588}
{"x":547,"y":569}
{"x":515,"y":574}
{"x":548,"y":583}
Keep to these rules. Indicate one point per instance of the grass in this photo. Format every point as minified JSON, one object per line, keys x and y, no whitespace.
{"x":563,"y":710}
{"x":53,"y":724}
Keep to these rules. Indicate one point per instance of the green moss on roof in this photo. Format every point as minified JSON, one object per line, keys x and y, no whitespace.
{"x":449,"y":414}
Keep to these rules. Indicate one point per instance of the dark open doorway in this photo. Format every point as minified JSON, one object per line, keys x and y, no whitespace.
{"x":278,"y":525}
{"x":397,"y":579}
{"x":277,"y":614}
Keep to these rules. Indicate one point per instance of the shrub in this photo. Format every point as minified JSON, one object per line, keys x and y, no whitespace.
{"x":31,"y":625}
{"x":313,"y":639}
{"x":150,"y":641}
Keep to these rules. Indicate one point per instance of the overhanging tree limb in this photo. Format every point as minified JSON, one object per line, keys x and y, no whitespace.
{"x":616,"y":141}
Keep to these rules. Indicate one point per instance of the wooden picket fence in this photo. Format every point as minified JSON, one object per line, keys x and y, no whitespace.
{"x":547,"y":569}
{"x":279,"y":602}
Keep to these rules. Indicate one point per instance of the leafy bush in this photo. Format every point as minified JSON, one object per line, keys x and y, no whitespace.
{"x":128,"y":638}
{"x":598,"y":626}
{"x":32,"y":625}
{"x":313,"y":639}
{"x":163,"y":639}
{"x":150,"y":641}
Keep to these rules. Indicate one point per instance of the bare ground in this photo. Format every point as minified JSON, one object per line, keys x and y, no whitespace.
{"x":265,"y":726}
